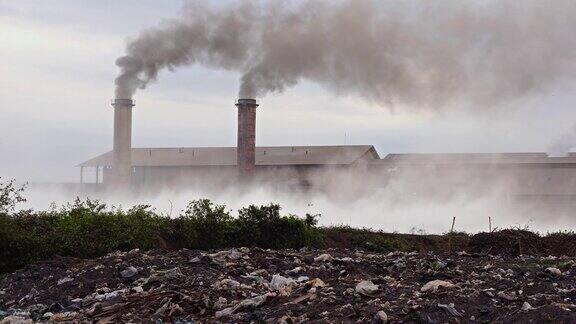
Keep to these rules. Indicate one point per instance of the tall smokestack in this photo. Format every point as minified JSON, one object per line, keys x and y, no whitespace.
{"x":246,"y":150}
{"x":122,"y":153}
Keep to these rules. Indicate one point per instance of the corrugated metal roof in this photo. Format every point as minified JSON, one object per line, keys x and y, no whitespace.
{"x":226,"y":156}
{"x":475,"y":158}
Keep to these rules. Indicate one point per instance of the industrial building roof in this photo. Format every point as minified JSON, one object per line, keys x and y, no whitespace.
{"x":475,"y":158}
{"x":226,"y":156}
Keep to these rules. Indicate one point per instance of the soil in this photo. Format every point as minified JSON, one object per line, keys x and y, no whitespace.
{"x":290,"y":286}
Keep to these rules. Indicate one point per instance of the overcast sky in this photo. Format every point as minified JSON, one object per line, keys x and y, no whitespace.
{"x":56,"y":82}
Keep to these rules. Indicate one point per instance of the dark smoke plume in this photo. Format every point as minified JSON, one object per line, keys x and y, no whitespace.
{"x":413,"y":54}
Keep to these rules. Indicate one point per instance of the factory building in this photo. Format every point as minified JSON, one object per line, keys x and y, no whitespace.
{"x":520,"y":174}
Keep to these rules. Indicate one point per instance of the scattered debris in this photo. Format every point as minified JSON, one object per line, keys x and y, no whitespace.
{"x":129,"y":272}
{"x":323,"y":258}
{"x":554,"y":271}
{"x":526,"y":306}
{"x":366,"y":288}
{"x":282,"y":284}
{"x":64,"y":280}
{"x":506,"y":296}
{"x":291,"y":286}
{"x":435,"y":284}
{"x":380,"y":318}
{"x":450,"y":309}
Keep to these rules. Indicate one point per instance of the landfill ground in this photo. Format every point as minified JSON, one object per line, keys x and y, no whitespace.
{"x":292,"y":286}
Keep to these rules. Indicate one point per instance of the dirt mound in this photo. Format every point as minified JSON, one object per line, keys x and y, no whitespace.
{"x":508,"y":242}
{"x":561,"y":243}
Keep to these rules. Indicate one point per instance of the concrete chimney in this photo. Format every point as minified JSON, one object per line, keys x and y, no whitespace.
{"x":122,"y":153}
{"x":246,"y":150}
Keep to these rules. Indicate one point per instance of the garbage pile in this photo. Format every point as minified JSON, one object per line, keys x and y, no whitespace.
{"x":292,"y":286}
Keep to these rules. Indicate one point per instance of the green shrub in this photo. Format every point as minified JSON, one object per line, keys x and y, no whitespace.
{"x":264,"y":227}
{"x":10,"y":196}
{"x":88,"y":228}
{"x":204,"y":225}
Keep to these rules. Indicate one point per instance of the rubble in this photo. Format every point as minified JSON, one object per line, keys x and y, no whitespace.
{"x":282,"y":284}
{"x":380,"y":318}
{"x":554,"y":271}
{"x":129,"y":272}
{"x":323,"y":257}
{"x":292,"y":286}
{"x":366,"y":288}
{"x":435,"y":284}
{"x":526,"y":306}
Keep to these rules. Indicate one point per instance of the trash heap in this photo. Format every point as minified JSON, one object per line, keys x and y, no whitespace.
{"x":292,"y":286}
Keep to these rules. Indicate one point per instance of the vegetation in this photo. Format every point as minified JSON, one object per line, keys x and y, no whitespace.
{"x":89,"y":228}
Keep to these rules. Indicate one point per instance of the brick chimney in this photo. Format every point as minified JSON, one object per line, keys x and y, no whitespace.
{"x":246,"y":150}
{"x":122,"y":152}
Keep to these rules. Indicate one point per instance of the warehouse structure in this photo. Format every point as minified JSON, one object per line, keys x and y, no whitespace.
{"x":311,"y":166}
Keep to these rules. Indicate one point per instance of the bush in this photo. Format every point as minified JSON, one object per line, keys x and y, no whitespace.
{"x":204,"y":225}
{"x":89,"y":228}
{"x":10,"y":196}
{"x":263,"y":226}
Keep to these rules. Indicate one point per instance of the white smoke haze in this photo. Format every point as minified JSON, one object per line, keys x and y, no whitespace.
{"x":404,"y":201}
{"x":562,"y":146}
{"x":414,"y":54}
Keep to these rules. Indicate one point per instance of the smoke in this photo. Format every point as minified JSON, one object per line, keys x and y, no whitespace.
{"x":398,"y":199}
{"x":562,"y":145}
{"x":409,"y":54}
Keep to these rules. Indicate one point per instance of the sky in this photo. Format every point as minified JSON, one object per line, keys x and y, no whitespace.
{"x":56,"y":82}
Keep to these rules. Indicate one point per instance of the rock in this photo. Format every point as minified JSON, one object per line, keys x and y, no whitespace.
{"x":380,"y":318}
{"x":526,"y":306}
{"x":323,"y":258}
{"x":366,"y":288}
{"x":435,"y":284}
{"x":129,"y":272}
{"x":554,"y":271}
